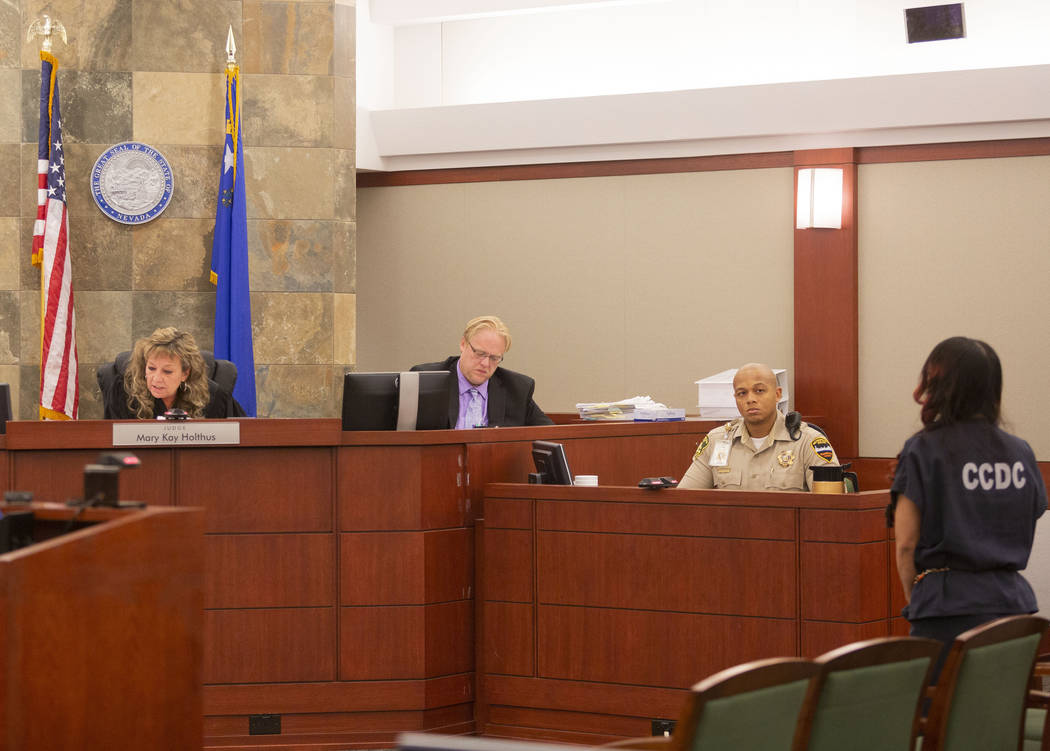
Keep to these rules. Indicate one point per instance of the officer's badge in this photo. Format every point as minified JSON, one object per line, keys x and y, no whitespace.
{"x":823,"y":448}
{"x":786,"y":458}
{"x":700,"y":450}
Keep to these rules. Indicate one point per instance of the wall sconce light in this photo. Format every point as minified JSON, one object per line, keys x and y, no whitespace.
{"x":819,"y":198}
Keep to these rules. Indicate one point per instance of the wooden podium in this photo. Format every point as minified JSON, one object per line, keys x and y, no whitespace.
{"x":101,"y":631}
{"x":598,"y":607}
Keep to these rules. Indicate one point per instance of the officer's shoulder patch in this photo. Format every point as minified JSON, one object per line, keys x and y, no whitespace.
{"x":700,"y":449}
{"x":822,"y":448}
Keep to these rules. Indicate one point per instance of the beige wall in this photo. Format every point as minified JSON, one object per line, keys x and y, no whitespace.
{"x":947,"y":248}
{"x":153,"y":72}
{"x":953,"y":248}
{"x":612,"y":286}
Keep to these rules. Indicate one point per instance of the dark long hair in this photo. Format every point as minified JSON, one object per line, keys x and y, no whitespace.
{"x":962,"y":379}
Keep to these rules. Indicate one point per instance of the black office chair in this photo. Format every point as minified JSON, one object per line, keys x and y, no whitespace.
{"x":223,"y":372}
{"x":793,"y":422}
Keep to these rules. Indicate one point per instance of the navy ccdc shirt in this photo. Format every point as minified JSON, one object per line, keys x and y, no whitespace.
{"x":979,"y":493}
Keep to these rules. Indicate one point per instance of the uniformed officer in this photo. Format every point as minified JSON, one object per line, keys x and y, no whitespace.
{"x":756,"y":450}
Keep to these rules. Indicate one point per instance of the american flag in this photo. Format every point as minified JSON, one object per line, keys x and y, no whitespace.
{"x":59,"y":395}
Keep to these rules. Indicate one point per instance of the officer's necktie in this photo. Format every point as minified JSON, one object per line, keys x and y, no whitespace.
{"x":475,"y":410}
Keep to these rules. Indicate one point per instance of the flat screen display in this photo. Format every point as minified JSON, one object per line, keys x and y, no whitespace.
{"x":396,"y":401}
{"x":552,"y":467}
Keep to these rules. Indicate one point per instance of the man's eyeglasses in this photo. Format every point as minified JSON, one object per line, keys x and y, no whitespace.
{"x":493,"y":359}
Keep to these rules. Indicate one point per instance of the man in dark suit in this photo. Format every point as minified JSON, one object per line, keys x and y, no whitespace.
{"x":481,"y":393}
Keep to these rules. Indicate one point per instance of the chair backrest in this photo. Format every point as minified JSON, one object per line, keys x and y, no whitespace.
{"x":223,"y":372}
{"x":5,"y":406}
{"x":979,"y":702}
{"x":751,"y":706}
{"x":867,"y":696}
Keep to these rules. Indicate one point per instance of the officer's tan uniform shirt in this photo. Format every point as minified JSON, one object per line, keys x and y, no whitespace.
{"x":778,"y":464}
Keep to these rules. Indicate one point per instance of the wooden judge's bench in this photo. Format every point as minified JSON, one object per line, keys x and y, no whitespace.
{"x":361,"y":584}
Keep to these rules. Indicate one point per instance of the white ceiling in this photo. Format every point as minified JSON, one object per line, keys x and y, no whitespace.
{"x":444,"y":83}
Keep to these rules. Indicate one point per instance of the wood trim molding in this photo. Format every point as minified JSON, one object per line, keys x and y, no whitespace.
{"x":575,"y":169}
{"x":826,"y":317}
{"x":929,"y":152}
{"x":864,"y":155}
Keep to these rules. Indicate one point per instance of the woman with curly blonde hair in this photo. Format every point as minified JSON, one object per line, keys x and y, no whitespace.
{"x":166,"y":372}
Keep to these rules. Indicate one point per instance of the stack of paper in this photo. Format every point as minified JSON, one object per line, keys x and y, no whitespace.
{"x":715,"y":395}
{"x":622,"y":410}
{"x":606,"y":410}
{"x":658,"y":414}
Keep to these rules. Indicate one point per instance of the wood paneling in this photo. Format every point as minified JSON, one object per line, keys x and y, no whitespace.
{"x":448,"y":566}
{"x":666,"y":519}
{"x":508,"y":514}
{"x":402,"y":557}
{"x":411,"y":641}
{"x":873,"y":473}
{"x":820,"y":637}
{"x":896,"y":588}
{"x":624,"y":461}
{"x":259,"y":490}
{"x":844,"y":582}
{"x":382,"y":643}
{"x":667,"y":573}
{"x":334,"y":723}
{"x":576,"y":722}
{"x":269,"y":645}
{"x":652,"y":648}
{"x":508,"y":565}
{"x":826,"y":525}
{"x":362,"y":696}
{"x":337,"y":732}
{"x":826,"y":339}
{"x":406,"y":568}
{"x":240,"y":571}
{"x":403,"y":487}
{"x":489,"y":462}
{"x":509,"y":643}
{"x":544,"y":735}
{"x":59,"y":475}
{"x":102,"y":634}
{"x":573,"y":696}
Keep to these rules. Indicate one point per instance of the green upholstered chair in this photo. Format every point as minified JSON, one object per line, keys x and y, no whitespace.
{"x":868,"y":695}
{"x":979,"y":702}
{"x":1037,"y":718}
{"x":750,"y":707}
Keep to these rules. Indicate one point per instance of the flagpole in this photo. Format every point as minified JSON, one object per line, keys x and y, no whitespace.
{"x":229,"y":265}
{"x":59,"y":392}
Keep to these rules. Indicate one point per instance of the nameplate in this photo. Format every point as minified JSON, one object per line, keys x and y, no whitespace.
{"x":181,"y":433}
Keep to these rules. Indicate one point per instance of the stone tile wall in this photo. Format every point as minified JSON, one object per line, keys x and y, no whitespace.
{"x":152,"y":71}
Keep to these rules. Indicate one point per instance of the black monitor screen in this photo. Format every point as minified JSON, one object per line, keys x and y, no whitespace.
{"x":376,"y":401}
{"x":370,"y":401}
{"x":16,"y":530}
{"x":551,"y":464}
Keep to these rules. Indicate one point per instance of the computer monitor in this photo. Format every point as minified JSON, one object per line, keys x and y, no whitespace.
{"x":552,"y":468}
{"x":16,"y":530}
{"x":396,"y":401}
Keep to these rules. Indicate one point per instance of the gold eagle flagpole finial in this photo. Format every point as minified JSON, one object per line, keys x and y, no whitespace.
{"x":45,"y":27}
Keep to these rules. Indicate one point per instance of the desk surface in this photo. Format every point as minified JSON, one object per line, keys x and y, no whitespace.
{"x":23,"y":435}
